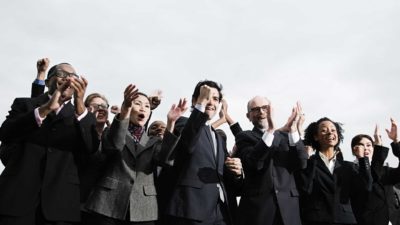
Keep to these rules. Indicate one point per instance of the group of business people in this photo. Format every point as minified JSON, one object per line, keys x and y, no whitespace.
{"x":65,"y":165}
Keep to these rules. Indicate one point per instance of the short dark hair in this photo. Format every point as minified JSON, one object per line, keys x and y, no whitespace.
{"x":209,"y":83}
{"x":53,"y":70}
{"x":312,"y":130}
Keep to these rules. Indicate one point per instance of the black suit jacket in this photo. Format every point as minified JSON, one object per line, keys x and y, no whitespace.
{"x":326,"y":197}
{"x":198,"y":171}
{"x":43,"y":167}
{"x":269,"y":182}
{"x":37,"y":90}
{"x":372,"y":208}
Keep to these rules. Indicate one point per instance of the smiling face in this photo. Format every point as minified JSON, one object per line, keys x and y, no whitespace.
{"x":157,"y":128}
{"x":212,"y":104}
{"x":140,"y":111}
{"x":257,"y":111}
{"x":100,"y":108}
{"x":327,"y":135}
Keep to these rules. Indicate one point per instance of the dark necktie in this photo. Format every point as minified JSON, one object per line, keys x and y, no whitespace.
{"x":136,"y":132}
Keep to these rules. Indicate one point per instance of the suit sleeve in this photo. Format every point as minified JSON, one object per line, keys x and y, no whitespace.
{"x":391,"y":175}
{"x":37,"y":90}
{"x":19,"y":117}
{"x":192,"y":127}
{"x":113,"y":138}
{"x":165,"y":148}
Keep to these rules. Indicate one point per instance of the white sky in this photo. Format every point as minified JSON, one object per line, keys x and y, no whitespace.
{"x":339,"y":58}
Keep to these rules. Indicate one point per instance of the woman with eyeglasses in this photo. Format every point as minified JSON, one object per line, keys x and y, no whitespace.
{"x":328,"y":182}
{"x":372,"y":208}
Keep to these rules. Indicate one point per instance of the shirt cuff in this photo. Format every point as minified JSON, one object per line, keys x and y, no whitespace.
{"x":200,"y":107}
{"x":39,"y":82}
{"x":39,"y":120}
{"x":80,"y":117}
{"x":294,"y":138}
{"x":268,"y":138}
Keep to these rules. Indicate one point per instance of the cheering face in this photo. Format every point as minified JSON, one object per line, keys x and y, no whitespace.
{"x":327,"y":135}
{"x":157,"y":128}
{"x":140,"y":111}
{"x":58,"y":80}
{"x":258,"y":112}
{"x":99,"y":108}
{"x":213,"y":103}
{"x":364,"y":148}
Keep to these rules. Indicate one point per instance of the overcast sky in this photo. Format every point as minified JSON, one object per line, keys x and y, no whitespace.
{"x":339,"y":58}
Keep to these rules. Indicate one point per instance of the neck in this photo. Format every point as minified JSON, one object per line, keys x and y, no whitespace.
{"x":328,"y":152}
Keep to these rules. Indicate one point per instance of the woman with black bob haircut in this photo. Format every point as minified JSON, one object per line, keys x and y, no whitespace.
{"x":372,"y":208}
{"x":328,"y":183}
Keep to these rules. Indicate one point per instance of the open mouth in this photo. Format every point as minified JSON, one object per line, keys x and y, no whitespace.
{"x":141,"y":116}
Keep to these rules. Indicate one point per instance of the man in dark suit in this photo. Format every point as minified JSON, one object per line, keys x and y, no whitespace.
{"x":202,"y":167}
{"x":40,"y":184}
{"x":269,"y":195}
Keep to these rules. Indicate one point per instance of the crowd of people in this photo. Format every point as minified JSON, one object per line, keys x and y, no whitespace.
{"x":70,"y":158}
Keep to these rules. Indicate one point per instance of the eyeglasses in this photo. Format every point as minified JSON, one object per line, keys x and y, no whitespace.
{"x":96,"y":107}
{"x":257,"y":109}
{"x":65,"y":74}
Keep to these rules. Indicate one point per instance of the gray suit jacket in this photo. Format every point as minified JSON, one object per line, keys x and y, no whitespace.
{"x":128,"y":182}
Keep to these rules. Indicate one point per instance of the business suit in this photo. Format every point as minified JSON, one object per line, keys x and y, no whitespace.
{"x":372,"y":208}
{"x":43,"y":168}
{"x":199,"y":170}
{"x":325,"y":197}
{"x":269,"y":186}
{"x":126,"y":191}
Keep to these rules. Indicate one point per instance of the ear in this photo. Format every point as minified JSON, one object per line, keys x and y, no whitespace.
{"x":315,"y":138}
{"x":46,"y":82}
{"x":248,"y":116}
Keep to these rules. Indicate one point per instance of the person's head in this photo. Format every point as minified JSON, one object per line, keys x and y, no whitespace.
{"x":140,"y":111}
{"x":362,"y":145}
{"x":324,"y":134}
{"x":98,"y":104}
{"x":214,"y":101}
{"x":157,"y":128}
{"x":57,"y":76}
{"x":257,"y":109}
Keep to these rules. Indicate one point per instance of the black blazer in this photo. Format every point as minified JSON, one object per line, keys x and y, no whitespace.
{"x":372,"y":208}
{"x":326,"y":197}
{"x":198,"y":171}
{"x":269,"y":182}
{"x":43,"y":167}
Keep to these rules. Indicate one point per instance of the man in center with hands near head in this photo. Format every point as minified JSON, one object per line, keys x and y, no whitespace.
{"x":269,"y":156}
{"x":203,"y":168}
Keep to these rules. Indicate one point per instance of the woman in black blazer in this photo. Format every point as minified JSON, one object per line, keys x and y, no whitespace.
{"x":372,"y":208}
{"x":328,"y":182}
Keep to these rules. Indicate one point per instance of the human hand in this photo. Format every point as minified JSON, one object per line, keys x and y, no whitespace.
{"x":155,"y":99}
{"x":392,"y":133}
{"x":377,"y":136}
{"x":177,"y":111}
{"x":234,"y":165}
{"x":42,"y":65}
{"x":130,"y":93}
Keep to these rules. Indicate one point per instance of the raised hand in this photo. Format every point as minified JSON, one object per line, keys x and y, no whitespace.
{"x":175,"y":112}
{"x":79,"y":85}
{"x":377,"y":136}
{"x":115,"y":109}
{"x":205,"y":95}
{"x":392,"y":133}
{"x":155,"y":99}
{"x":42,"y":65}
{"x":130,"y":93}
